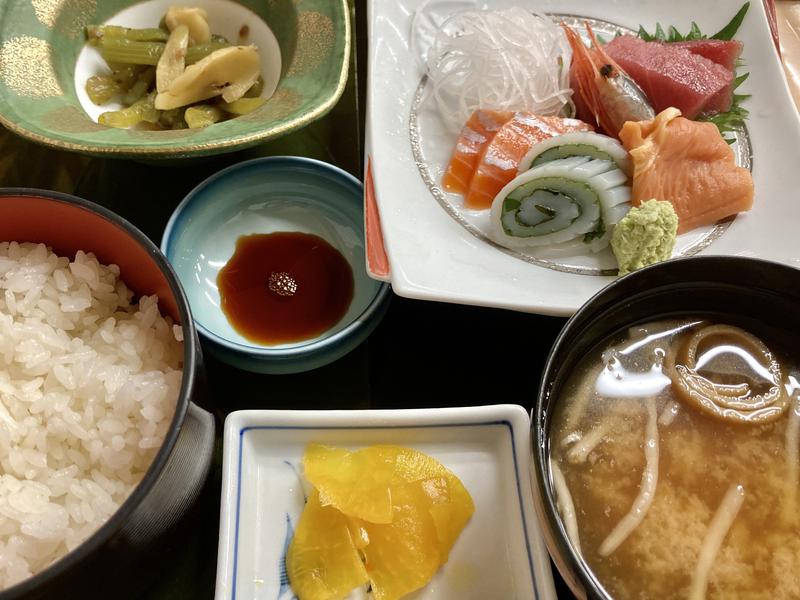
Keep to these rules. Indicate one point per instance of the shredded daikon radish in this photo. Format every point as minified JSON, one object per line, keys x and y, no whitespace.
{"x":565,"y":505}
{"x":717,"y":530}
{"x":647,"y":489}
{"x":581,"y":450}
{"x":509,"y":60}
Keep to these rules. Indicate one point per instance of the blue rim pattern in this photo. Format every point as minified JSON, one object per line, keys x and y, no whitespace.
{"x":276,"y":162}
{"x":507,"y":423}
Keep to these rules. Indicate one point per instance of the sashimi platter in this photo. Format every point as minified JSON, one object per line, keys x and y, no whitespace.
{"x":575,"y":144}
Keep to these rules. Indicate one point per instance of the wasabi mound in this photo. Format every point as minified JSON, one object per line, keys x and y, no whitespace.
{"x":646,"y":235}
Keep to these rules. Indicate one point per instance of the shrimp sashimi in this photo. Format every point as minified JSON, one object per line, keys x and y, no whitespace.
{"x":602,"y":88}
{"x":502,"y":155}
{"x":475,"y":136}
{"x":689,"y":164}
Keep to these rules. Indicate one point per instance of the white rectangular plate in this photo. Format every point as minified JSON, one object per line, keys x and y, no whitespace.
{"x":431,"y":256}
{"x":500,"y":553}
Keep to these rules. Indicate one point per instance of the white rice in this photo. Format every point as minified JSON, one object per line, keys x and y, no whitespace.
{"x":88,"y":387}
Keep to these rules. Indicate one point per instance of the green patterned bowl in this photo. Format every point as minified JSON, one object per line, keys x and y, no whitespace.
{"x":40,"y":41}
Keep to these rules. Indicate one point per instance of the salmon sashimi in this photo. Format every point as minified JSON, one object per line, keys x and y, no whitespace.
{"x":501,"y":157}
{"x":689,"y":164}
{"x":475,"y":136}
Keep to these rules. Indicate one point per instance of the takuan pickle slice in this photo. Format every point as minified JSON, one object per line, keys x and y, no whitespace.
{"x":404,"y":510}
{"x":356,"y":483}
{"x":403,"y":555}
{"x":322,"y":563}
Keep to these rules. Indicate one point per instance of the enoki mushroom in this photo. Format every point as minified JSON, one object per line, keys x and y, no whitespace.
{"x":720,"y":524}
{"x":647,"y":489}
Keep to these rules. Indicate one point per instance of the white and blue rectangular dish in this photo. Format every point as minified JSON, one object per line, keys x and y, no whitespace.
{"x":500,"y":553}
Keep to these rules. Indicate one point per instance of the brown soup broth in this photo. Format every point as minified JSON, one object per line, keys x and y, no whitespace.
{"x":285,"y":287}
{"x":597,"y":439}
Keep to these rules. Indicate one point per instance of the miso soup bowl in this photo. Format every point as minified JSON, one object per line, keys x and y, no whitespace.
{"x":743,"y":288}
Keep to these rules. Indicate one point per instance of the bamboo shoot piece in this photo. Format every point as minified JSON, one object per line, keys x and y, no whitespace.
{"x":229,"y":73}
{"x":173,"y":60}
{"x":195,"y":19}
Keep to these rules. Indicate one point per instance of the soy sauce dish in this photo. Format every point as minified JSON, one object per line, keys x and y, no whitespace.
{"x":271,"y":254}
{"x":666,"y":434}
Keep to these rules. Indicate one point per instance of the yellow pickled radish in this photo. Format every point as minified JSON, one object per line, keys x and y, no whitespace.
{"x":402,"y":511}
{"x":357,"y":483}
{"x":322,"y":563}
{"x":403,"y":555}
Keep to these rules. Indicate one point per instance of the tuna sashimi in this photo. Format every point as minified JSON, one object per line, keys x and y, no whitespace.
{"x":674,"y":76}
{"x":689,"y":164}
{"x":499,"y":162}
{"x":722,"y":52}
{"x":475,"y":136}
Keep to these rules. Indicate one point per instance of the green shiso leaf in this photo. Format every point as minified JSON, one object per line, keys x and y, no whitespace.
{"x":695,"y":33}
{"x":727,"y":122}
{"x":673,"y":35}
{"x":644,"y":35}
{"x":740,"y":79}
{"x":727,"y":32}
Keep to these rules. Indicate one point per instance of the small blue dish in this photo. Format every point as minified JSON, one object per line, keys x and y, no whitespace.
{"x":267,"y":195}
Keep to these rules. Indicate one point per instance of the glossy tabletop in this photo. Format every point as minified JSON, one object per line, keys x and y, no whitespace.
{"x":423,"y":354}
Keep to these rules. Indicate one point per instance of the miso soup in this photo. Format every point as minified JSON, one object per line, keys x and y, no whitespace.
{"x":674,"y":456}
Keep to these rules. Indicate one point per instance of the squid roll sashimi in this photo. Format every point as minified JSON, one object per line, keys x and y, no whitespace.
{"x":577,"y":198}
{"x":579,"y":143}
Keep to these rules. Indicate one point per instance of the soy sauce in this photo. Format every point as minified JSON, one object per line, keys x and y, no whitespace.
{"x":285,"y":287}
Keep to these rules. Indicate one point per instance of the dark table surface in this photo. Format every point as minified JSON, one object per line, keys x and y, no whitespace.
{"x":423,"y":354}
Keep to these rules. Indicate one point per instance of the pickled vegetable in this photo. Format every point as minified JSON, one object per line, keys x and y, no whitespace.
{"x":141,"y":86}
{"x":172,"y":119}
{"x":141,"y":110}
{"x":101,"y":88}
{"x":229,"y":73}
{"x":196,"y":78}
{"x":94,"y":33}
{"x":194,"y":19}
{"x":202,"y":115}
{"x":255,"y":91}
{"x":199,"y":51}
{"x":242,"y":106}
{"x":173,"y":60}
{"x":122,"y":50}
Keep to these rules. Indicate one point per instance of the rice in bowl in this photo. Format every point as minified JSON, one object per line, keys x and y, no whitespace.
{"x":88,"y":387}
